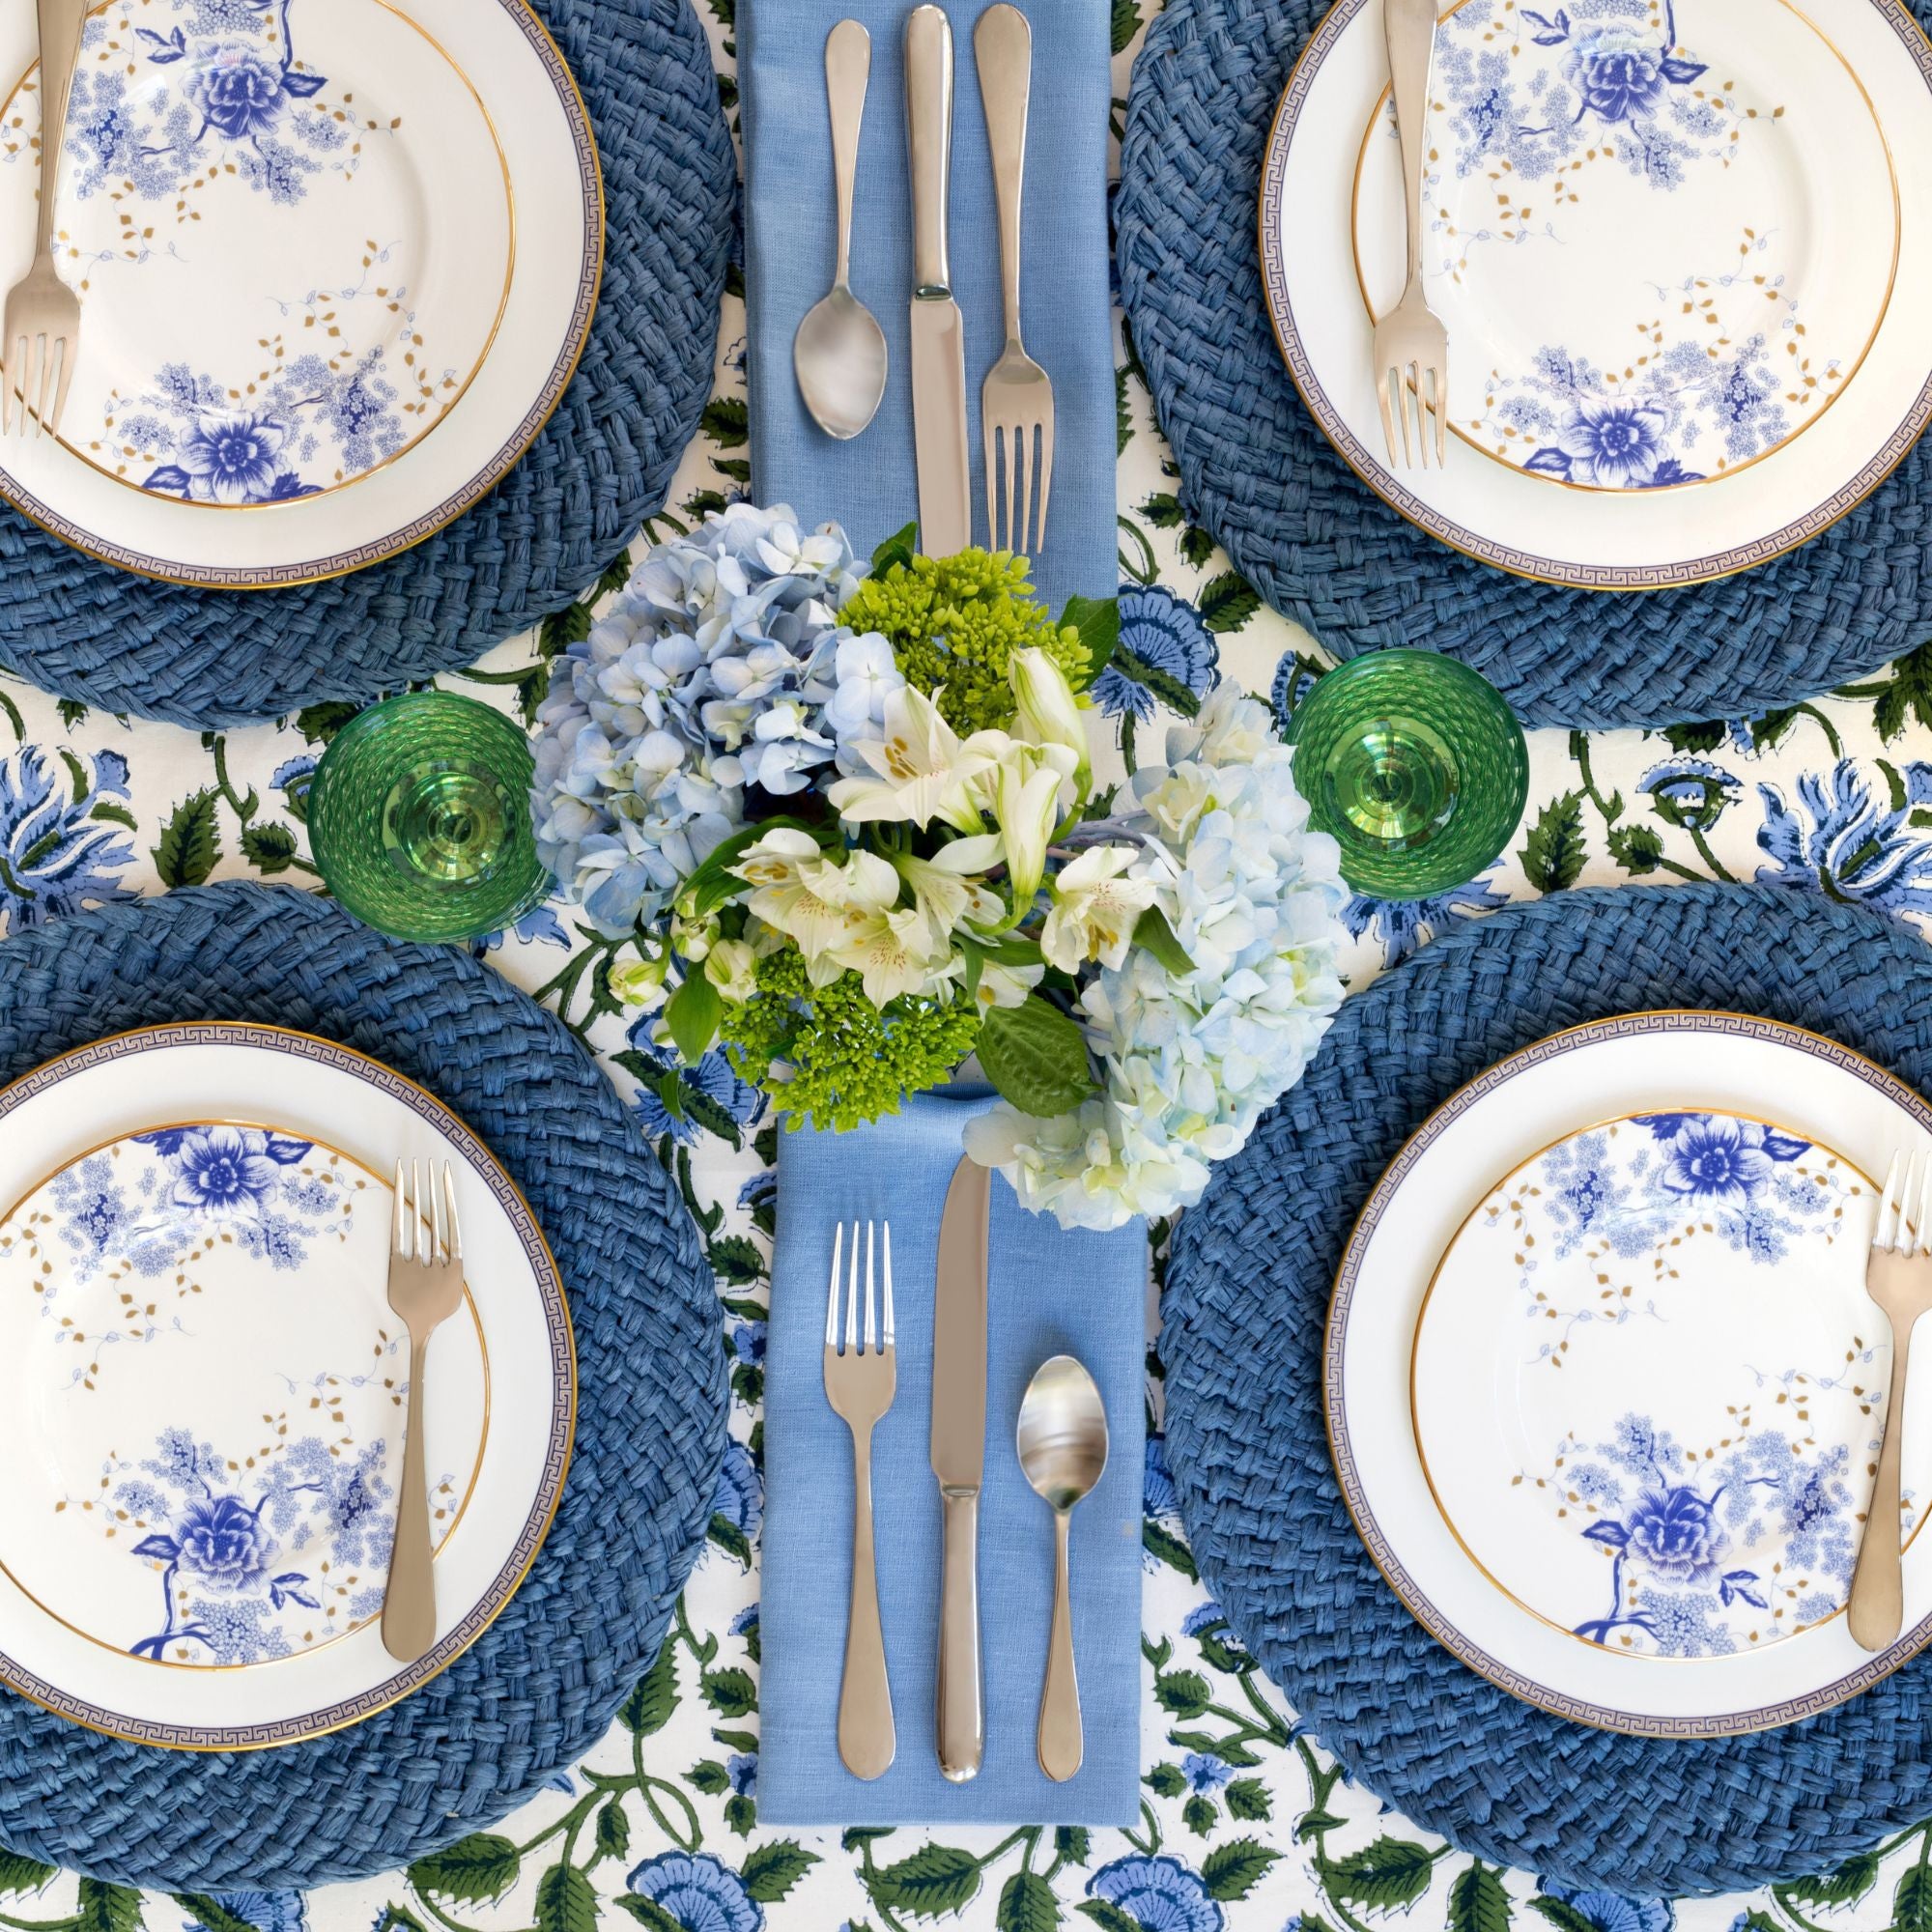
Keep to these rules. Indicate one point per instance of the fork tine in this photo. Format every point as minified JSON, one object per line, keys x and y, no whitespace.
{"x":399,"y":1227}
{"x":871,"y":1325}
{"x":1422,"y":414}
{"x":1382,"y":399}
{"x":990,"y":432}
{"x":831,"y":1300}
{"x":1909,"y":1231}
{"x":1021,"y":439}
{"x":67,"y":362}
{"x":437,"y":1250}
{"x":43,"y":370}
{"x":455,"y":1229}
{"x":886,"y":1231}
{"x":852,"y":1296}
{"x":1042,"y":482}
{"x":1439,"y":390}
{"x":1402,"y":380}
{"x":8,"y":366}
{"x":1886,"y":1205}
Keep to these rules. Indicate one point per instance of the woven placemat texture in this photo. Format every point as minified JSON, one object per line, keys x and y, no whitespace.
{"x":213,"y":659}
{"x":542,"y":1684}
{"x":1247,"y":1302}
{"x":1323,"y":548}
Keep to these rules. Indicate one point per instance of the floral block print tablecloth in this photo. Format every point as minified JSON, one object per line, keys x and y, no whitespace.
{"x":1246,"y":1825}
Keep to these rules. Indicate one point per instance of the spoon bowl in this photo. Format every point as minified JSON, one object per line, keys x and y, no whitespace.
{"x":839,"y":354}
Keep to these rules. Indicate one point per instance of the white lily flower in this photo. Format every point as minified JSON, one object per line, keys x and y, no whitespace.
{"x":1027,"y":797}
{"x":896,"y":951}
{"x":1095,"y":909}
{"x":923,"y":772}
{"x":948,"y":899}
{"x":1048,"y":712}
{"x":827,"y":903}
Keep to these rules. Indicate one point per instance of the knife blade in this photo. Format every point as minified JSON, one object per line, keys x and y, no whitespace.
{"x":959,"y":1450}
{"x":938,"y":330}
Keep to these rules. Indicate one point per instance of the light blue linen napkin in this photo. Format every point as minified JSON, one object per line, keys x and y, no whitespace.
{"x":871,"y":485}
{"x":1049,"y":1292}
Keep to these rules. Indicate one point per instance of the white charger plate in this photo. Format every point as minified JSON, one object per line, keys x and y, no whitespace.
{"x":337,"y":260}
{"x":1622,"y":283}
{"x":204,"y":1388}
{"x":1483,"y":1559}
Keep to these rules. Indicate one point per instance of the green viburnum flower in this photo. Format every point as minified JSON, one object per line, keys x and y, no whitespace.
{"x":850,"y":1061}
{"x":954,"y":623}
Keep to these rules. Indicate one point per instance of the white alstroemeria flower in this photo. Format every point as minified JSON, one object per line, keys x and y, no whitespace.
{"x":827,"y":903}
{"x":1005,"y":985}
{"x":775,"y":859}
{"x":922,"y":770}
{"x":1048,"y":712}
{"x":731,"y":969}
{"x":948,"y":895}
{"x":896,"y":951}
{"x":1028,"y":794}
{"x":1095,"y":909}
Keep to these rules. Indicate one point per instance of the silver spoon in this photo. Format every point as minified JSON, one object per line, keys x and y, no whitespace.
{"x":841,"y":350}
{"x":1062,"y":1442}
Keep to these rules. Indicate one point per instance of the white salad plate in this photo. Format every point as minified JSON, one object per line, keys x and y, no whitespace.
{"x":336,"y":261}
{"x":1604,"y":1388}
{"x":203,"y":1388}
{"x":1680,"y":252}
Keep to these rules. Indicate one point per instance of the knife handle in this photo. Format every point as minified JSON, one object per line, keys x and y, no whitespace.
{"x":961,"y":1716}
{"x":928,"y":86}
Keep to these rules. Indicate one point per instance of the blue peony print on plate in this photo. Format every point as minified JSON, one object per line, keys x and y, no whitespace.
{"x":1688,"y":1383}
{"x":204,"y":1395}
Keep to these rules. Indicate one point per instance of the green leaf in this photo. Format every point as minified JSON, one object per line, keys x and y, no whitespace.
{"x":269,"y":848}
{"x":563,"y":628}
{"x":1167,"y":1548}
{"x":1552,"y":856}
{"x":1200,"y":1815}
{"x":936,"y":1879}
{"x":1165,"y":1781}
{"x":772,"y":1870}
{"x":1230,"y":1750}
{"x":616,"y":576}
{"x":900,"y":548}
{"x":1705,"y":737}
{"x":710,"y":1778}
{"x":731,"y":1693}
{"x":1163,"y":511}
{"x":1197,"y":547}
{"x":1636,"y":848}
{"x":647,"y":1912}
{"x":855,"y":1836}
{"x":1123,"y":422}
{"x":731,"y":1540}
{"x":18,"y":1874}
{"x":691,"y":1017}
{"x":106,"y":812}
{"x":1850,"y":1882}
{"x":736,"y":1257}
{"x":481,"y":1867}
{"x":1072,"y":1843}
{"x":648,"y":1708}
{"x":78,"y":779}
{"x":728,"y":422}
{"x":1248,"y":1799}
{"x":1107,"y":1916}
{"x":319,"y":723}
{"x":1389,"y":1873}
{"x":1910,"y":691}
{"x":1912,"y":1902}
{"x":71,"y":712}
{"x":1183,"y":1693}
{"x":1166,"y":688}
{"x":1027,"y":1904}
{"x":1564,"y":1917}
{"x":1036,"y":1057}
{"x":107,"y":1908}
{"x":613,"y":1831}
{"x":1126,"y":24}
{"x":741,"y":1813}
{"x":1478,"y":1902}
{"x":1152,"y":934}
{"x":1098,"y":622}
{"x":1233,"y":1870}
{"x":190,"y":841}
{"x":738,"y":1741}
{"x":1314,"y":1823}
{"x":565,"y":1901}
{"x":1229,"y":602}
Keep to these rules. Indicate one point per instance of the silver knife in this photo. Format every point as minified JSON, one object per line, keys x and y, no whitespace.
{"x":959,"y":1458}
{"x":938,"y":332}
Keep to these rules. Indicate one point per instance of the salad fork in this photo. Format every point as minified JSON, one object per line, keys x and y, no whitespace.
{"x":43,"y":315}
{"x":425,"y":1288}
{"x":1411,"y":346}
{"x":1899,"y":1279}
{"x":861,"y":1377}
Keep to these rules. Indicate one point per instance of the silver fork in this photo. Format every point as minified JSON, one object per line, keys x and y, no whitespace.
{"x":860,"y":1381}
{"x":425,"y":1288}
{"x":1411,"y":346}
{"x":1899,"y":1279}
{"x":43,"y":317}
{"x":1016,"y":401}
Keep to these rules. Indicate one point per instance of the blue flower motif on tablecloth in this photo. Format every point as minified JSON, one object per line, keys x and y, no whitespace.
{"x":699,"y":1891}
{"x":265,"y":1911}
{"x":1159,"y":1501}
{"x":1205,"y":1772}
{"x":1165,"y":647}
{"x":61,"y":846}
{"x":1842,"y":841}
{"x":1293,"y":680}
{"x":711,"y":1097}
{"x":541,"y":927}
{"x":748,"y":1343}
{"x":1691,"y":792}
{"x":740,"y":1496}
{"x":1159,"y":1894}
{"x":1404,"y":925}
{"x":741,"y":1772}
{"x":1612,"y":1912}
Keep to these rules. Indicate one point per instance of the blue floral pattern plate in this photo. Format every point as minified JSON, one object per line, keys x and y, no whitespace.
{"x":1663,"y":239}
{"x":306,"y":291}
{"x":1608,"y":1425}
{"x":1676,"y":244}
{"x":203,"y":1388}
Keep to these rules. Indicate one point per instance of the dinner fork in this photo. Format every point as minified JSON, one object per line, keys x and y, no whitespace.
{"x":860,"y":1381}
{"x":1411,"y":346}
{"x":1016,"y":400}
{"x":1899,"y":1279}
{"x":41,"y":308}
{"x":425,"y":1288}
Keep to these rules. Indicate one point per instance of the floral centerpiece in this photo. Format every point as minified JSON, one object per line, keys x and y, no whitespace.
{"x":848,"y":815}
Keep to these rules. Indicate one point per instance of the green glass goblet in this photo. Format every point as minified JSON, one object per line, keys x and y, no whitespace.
{"x":419,"y":818}
{"x":1416,"y":767}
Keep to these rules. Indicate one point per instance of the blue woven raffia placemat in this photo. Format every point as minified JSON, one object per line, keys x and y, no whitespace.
{"x":1246,"y":1300}
{"x":542,"y":1684}
{"x":1324,"y":549}
{"x":213,"y":659}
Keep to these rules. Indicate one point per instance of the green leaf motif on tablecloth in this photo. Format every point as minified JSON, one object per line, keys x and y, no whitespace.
{"x":1183,"y":1693}
{"x":935,"y":1880}
{"x":1636,"y":848}
{"x":190,"y":844}
{"x":731,"y":1693}
{"x":209,"y":1913}
{"x":1166,"y":688}
{"x":1168,"y":1548}
{"x":107,"y":1908}
{"x":1553,"y":855}
{"x":741,"y":1813}
{"x":613,"y":1831}
{"x":565,"y":1901}
{"x":1108,"y":1915}
{"x":772,"y":1870}
{"x":1073,"y":1844}
{"x":269,"y":848}
{"x":1027,"y":1904}
{"x":1228,"y":602}
{"x":731,"y":1540}
{"x":1233,"y":1870}
{"x":728,"y":422}
{"x":1848,"y":1883}
{"x":1126,"y":24}
{"x":1562,"y":1915}
{"x":1478,"y":1902}
{"x":1165,"y":1781}
{"x":481,"y":1867}
{"x":319,"y":723}
{"x":18,"y":1874}
{"x":1390,"y":1873}
{"x":1248,"y":1799}
{"x":648,"y":1708}
{"x":1912,"y":1902}
{"x":649,"y":1913}
{"x":1200,"y":1815}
